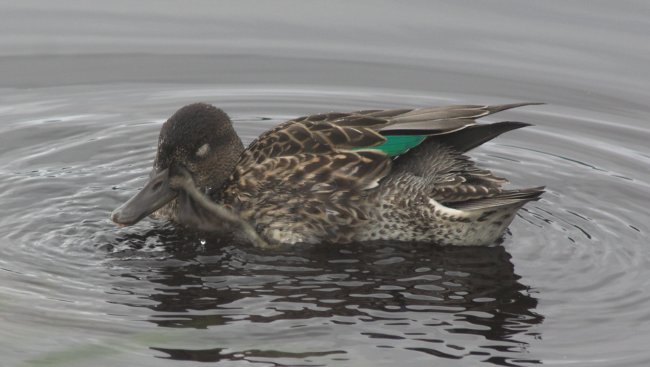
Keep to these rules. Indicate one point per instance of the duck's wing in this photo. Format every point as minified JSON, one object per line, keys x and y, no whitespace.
{"x":392,"y":131}
{"x":307,"y":196}
{"x":317,"y":134}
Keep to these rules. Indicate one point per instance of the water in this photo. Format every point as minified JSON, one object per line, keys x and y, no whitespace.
{"x":85,"y":87}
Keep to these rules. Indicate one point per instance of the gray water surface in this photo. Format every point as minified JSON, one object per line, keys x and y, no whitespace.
{"x":85,"y":86}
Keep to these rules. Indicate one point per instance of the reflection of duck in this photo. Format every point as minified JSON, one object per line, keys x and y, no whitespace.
{"x":423,"y":295}
{"x":334,"y":177}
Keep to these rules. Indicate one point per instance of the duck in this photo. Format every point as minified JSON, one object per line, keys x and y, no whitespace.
{"x":336,"y":177}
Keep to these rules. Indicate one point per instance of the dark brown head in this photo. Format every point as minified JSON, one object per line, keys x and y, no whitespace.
{"x":198,"y":139}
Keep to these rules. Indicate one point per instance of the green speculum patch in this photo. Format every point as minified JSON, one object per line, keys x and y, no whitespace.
{"x":399,"y":144}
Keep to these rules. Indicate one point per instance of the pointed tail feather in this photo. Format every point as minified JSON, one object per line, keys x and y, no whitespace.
{"x":475,"y":135}
{"x":506,"y":198}
{"x":503,"y":107}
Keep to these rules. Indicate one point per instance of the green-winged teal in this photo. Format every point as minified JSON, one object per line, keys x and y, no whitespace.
{"x":398,"y":174}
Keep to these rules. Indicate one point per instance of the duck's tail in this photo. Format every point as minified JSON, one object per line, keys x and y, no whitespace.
{"x":514,"y":198}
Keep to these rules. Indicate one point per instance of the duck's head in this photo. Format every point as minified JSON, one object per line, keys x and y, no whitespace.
{"x":199,"y":141}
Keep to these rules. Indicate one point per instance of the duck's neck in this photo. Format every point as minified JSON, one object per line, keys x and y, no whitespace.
{"x":227,"y":164}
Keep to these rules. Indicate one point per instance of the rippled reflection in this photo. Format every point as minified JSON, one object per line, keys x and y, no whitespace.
{"x":406,"y":296}
{"x":220,"y":354}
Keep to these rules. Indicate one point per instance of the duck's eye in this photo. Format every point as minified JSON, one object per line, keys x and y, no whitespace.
{"x":203,"y":150}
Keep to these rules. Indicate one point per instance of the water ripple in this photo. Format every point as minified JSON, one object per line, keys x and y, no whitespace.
{"x":578,"y":253}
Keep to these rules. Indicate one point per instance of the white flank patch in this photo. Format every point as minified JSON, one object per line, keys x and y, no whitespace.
{"x":203,"y":150}
{"x":446,"y":210}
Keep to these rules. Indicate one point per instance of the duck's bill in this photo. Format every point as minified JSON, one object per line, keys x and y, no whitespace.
{"x":152,"y":197}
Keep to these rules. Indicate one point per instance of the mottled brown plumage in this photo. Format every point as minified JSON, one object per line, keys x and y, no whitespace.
{"x":328,"y":177}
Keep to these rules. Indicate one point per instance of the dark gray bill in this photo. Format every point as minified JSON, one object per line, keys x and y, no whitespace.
{"x":153,"y":195}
